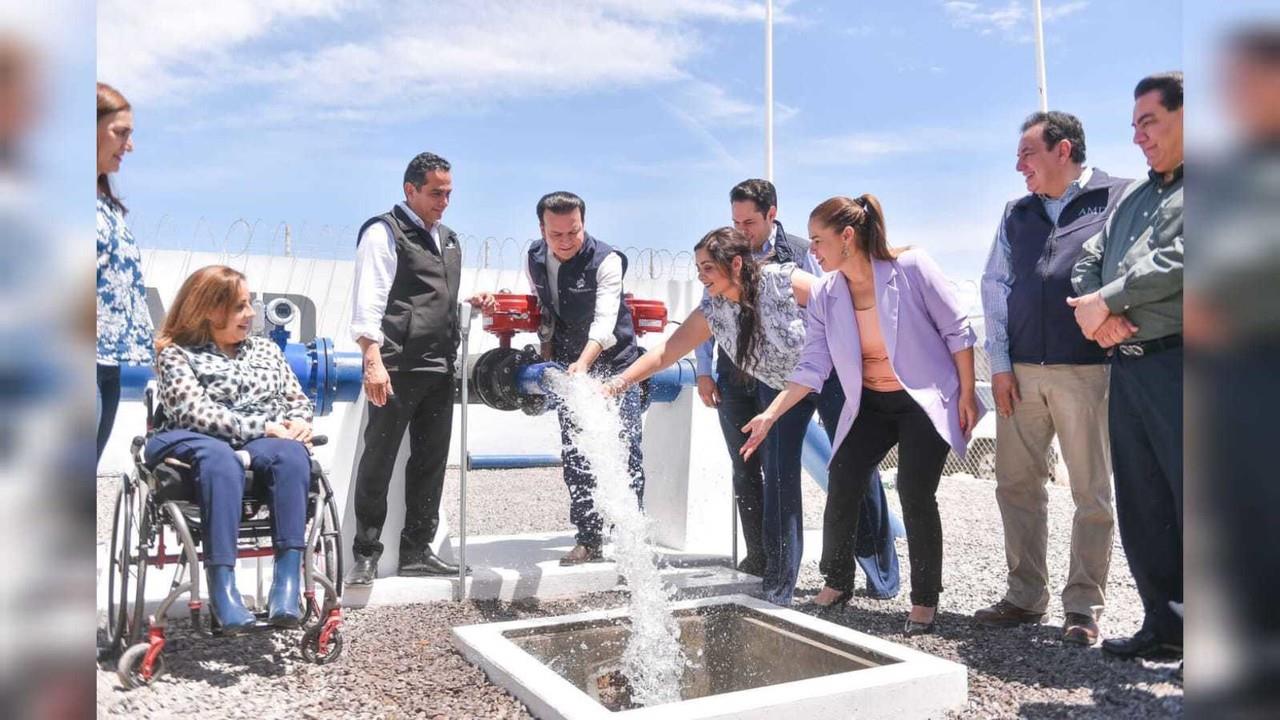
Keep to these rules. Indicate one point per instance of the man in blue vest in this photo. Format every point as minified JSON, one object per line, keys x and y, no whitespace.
{"x":405,"y":318}
{"x":1048,"y":379}
{"x":587,"y":327}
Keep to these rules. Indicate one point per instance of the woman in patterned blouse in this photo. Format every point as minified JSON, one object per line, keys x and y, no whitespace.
{"x":124,"y":325}
{"x":222,"y":391}
{"x":755,"y":312}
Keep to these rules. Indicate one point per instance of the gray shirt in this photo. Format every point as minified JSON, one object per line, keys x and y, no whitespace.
{"x":1136,"y":261}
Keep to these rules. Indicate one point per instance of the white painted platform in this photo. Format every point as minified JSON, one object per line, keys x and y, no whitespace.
{"x":504,"y":567}
{"x":916,"y":685}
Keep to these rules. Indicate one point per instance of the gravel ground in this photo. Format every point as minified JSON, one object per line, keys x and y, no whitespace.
{"x":399,"y":661}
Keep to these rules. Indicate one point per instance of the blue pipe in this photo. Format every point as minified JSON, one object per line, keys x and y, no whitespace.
{"x":512,"y":462}
{"x":664,"y":386}
{"x":326,"y":375}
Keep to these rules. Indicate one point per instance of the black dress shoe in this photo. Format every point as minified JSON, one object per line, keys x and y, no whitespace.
{"x":363,"y":571}
{"x":752,"y":565}
{"x":1143,"y":644}
{"x":425,"y":563}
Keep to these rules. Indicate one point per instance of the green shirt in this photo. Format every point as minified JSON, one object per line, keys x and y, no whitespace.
{"x":1136,"y":261}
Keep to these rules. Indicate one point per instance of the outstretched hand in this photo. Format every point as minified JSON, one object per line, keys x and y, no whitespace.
{"x":758,"y":428}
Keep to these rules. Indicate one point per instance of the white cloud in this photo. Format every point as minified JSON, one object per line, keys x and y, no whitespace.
{"x":473,"y":54}
{"x":1013,"y":20}
{"x":862,"y":148}
{"x":151,"y":49}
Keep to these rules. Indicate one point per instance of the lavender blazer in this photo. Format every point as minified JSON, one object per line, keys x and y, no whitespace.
{"x":922,"y":323}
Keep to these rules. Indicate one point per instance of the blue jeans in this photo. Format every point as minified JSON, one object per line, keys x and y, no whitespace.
{"x":580,"y":481}
{"x":108,"y":402}
{"x":281,"y":468}
{"x":737,"y":406}
{"x":783,"y":521}
{"x":1145,"y":410}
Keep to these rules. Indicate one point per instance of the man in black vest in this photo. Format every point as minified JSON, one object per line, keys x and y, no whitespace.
{"x":587,"y":327}
{"x":405,"y":318}
{"x":753,"y":204}
{"x":1049,"y":379}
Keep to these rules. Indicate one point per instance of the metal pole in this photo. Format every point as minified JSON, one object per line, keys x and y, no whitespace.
{"x":464,"y":317}
{"x":733,"y":500}
{"x":1040,"y":75}
{"x":768,"y":90}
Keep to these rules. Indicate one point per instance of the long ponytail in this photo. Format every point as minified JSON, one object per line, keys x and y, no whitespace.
{"x":865,"y":216}
{"x":723,"y":245}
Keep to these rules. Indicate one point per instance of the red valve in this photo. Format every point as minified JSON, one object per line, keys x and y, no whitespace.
{"x":517,"y":313}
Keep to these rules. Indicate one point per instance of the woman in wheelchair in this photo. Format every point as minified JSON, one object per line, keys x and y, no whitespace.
{"x":222,"y":391}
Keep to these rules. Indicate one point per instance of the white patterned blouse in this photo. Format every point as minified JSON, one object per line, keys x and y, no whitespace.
{"x":780,"y":336}
{"x":204,"y":390}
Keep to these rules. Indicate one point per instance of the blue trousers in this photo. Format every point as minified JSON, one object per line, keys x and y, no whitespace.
{"x":108,"y":402}
{"x":578,"y":477}
{"x":1146,"y":457}
{"x":281,"y":468}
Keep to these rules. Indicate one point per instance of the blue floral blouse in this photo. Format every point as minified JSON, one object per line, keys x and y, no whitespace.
{"x":124,"y":322}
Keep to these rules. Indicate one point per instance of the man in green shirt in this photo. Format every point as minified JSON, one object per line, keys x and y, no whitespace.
{"x":1129,"y":280}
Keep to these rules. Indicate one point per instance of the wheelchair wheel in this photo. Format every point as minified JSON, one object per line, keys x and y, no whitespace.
{"x":132,"y":669}
{"x":126,"y":574}
{"x":311,"y":645}
{"x":327,"y":558}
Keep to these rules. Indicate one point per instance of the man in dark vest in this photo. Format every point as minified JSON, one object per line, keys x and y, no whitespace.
{"x":753,"y":204}
{"x":405,"y":318}
{"x":587,"y":327}
{"x":1049,"y":379}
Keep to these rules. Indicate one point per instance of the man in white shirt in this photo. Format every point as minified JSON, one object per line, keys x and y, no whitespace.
{"x":405,"y":318}
{"x":587,"y":327}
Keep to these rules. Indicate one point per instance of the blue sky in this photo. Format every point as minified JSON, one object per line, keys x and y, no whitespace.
{"x":306,"y":111}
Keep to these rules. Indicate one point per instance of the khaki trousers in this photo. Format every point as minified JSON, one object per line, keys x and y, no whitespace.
{"x":1071,"y":401}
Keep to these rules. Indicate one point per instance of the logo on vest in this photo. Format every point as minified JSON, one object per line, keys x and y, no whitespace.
{"x":1095,"y":210}
{"x":581,"y":284}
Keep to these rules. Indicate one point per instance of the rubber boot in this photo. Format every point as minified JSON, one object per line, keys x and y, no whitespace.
{"x":283,"y":601}
{"x":228,"y":608}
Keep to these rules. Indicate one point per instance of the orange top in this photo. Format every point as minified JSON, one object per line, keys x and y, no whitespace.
{"x":877,"y":372}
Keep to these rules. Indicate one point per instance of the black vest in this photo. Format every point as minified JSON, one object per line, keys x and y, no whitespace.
{"x":576,"y":288}
{"x":1042,"y":327}
{"x":420,"y":323}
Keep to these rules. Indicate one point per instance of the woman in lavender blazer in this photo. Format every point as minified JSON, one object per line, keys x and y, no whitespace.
{"x":890,"y":325}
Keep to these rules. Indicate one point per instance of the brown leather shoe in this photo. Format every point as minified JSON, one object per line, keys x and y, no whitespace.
{"x":582,"y":554}
{"x":1005,"y":614}
{"x":1079,"y":629}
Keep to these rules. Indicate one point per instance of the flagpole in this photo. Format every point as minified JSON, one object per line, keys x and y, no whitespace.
{"x":768,"y":90}
{"x":1040,"y":75}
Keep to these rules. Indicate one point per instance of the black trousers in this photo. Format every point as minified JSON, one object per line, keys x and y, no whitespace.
{"x":886,"y":419}
{"x":422,"y":403}
{"x":1146,"y":457}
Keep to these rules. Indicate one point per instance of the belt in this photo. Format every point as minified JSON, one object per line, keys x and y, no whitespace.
{"x":1149,"y":347}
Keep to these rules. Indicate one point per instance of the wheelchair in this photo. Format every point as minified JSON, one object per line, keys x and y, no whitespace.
{"x":156,"y":524}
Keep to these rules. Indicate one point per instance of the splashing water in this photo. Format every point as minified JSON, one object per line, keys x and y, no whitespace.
{"x":652,"y":662}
